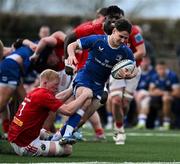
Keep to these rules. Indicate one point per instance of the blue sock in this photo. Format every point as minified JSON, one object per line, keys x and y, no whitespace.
{"x":71,"y":123}
{"x":63,"y":129}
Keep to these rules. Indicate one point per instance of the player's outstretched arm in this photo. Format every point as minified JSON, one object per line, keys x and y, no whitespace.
{"x":50,"y":41}
{"x":30,"y":44}
{"x":70,"y":108}
{"x":64,"y":95}
{"x":59,"y":35}
{"x":47,"y":41}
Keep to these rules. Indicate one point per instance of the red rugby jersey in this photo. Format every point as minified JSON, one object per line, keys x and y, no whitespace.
{"x":84,"y":30}
{"x":59,"y":50}
{"x":31,"y":115}
{"x":135,"y":39}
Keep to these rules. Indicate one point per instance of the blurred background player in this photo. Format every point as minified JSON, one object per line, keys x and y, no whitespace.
{"x":121,"y":91}
{"x":142,"y":96}
{"x":4,"y":51}
{"x":12,"y":69}
{"x":100,"y":17}
{"x":26,"y":124}
{"x":150,"y":51}
{"x":54,"y":45}
{"x":31,"y":79}
{"x":4,"y":115}
{"x":164,"y":87}
{"x":54,"y":42}
{"x":44,"y":31}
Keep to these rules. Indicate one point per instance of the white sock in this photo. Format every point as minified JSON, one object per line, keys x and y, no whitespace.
{"x":68,"y":131}
{"x":142,"y":119}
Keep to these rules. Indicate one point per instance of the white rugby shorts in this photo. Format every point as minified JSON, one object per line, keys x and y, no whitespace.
{"x":130,"y":85}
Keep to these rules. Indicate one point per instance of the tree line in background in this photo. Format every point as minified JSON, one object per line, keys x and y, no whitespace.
{"x":163,"y":34}
{"x":23,"y":26}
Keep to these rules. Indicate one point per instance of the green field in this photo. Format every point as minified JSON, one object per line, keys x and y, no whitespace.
{"x":141,"y":146}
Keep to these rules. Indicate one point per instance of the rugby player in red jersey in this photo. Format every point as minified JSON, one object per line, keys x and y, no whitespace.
{"x":100,"y":17}
{"x":25,"y":127}
{"x":54,"y":44}
{"x":55,"y":60}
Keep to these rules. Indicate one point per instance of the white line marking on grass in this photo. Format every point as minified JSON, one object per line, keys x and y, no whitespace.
{"x":148,"y":134}
{"x":107,"y":162}
{"x":154,"y":134}
{"x":78,"y":163}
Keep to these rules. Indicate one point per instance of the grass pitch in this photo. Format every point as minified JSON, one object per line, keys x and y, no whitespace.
{"x":141,"y":146}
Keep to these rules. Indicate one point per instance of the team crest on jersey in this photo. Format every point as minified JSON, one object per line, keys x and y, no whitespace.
{"x":138,"y":38}
{"x":119,"y":57}
{"x":43,"y":147}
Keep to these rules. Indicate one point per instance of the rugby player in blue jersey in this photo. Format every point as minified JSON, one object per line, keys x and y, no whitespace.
{"x":104,"y":52}
{"x":12,"y":69}
{"x":141,"y":95}
{"x":164,"y":87}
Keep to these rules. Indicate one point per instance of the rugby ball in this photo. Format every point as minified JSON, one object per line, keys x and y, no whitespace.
{"x":124,"y":66}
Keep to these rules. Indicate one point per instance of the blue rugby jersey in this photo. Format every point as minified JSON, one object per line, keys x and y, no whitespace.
{"x":166,"y":83}
{"x":25,"y":52}
{"x":102,"y":57}
{"x":145,"y":79}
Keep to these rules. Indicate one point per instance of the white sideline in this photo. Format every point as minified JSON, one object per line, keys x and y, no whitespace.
{"x":148,"y":134}
{"x":107,"y":163}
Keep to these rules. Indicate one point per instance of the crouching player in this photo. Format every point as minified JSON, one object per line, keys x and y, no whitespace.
{"x":26,"y":125}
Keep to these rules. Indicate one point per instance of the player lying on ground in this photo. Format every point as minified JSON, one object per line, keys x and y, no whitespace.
{"x":25,"y":127}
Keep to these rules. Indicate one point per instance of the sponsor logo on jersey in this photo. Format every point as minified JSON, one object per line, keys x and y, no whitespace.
{"x":101,"y":48}
{"x":12,"y":82}
{"x":17,"y":121}
{"x":104,"y":64}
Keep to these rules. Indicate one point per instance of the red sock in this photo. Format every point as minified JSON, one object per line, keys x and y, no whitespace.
{"x":99,"y":131}
{"x":5,"y":125}
{"x":119,"y":124}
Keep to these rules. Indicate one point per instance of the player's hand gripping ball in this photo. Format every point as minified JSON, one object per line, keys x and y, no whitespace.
{"x":125,"y":69}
